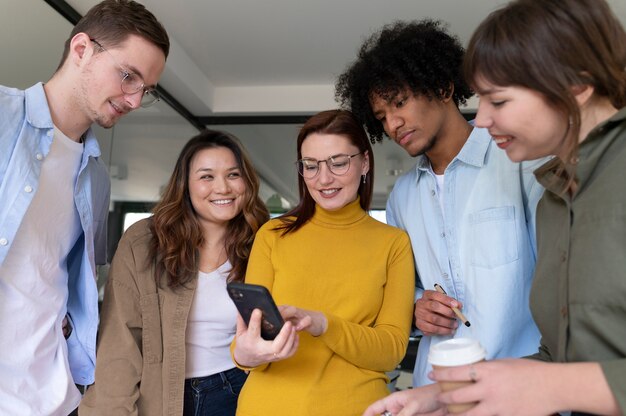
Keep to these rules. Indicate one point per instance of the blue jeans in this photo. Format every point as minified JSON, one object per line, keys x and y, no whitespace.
{"x":214,"y":395}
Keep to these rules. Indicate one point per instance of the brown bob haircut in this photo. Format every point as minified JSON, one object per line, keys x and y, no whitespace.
{"x":550,"y":46}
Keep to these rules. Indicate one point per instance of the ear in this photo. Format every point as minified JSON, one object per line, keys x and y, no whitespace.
{"x":366,"y":163}
{"x":446,"y":95}
{"x":80,"y":48}
{"x":582,"y":93}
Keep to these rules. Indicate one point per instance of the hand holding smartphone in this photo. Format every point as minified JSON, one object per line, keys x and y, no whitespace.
{"x":248,"y":297}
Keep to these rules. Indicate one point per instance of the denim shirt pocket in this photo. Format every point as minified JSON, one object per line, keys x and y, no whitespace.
{"x":152,"y":340}
{"x":493,"y":237}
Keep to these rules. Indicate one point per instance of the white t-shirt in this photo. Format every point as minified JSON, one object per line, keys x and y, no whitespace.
{"x":210,"y":326}
{"x":440,"y":191}
{"x":35,"y":378}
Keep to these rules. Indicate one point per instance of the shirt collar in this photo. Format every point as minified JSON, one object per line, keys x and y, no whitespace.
{"x":37,"y":110}
{"x":473,"y":152}
{"x":554,"y":174}
{"x":602,"y":128}
{"x":38,"y":115}
{"x":92,"y":148}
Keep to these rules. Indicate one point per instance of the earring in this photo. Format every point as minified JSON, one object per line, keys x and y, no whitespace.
{"x":363,"y":176}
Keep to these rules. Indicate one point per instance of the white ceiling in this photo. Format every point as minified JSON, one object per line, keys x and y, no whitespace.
{"x":233,"y":58}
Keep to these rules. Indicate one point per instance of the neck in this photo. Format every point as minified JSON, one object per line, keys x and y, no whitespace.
{"x":213,"y":251}
{"x":213,"y":235}
{"x":594,"y":113}
{"x":211,"y":259}
{"x":64,"y":111}
{"x":450,"y":139}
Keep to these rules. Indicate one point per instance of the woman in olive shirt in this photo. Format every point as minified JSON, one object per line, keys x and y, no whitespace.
{"x":551,"y":75}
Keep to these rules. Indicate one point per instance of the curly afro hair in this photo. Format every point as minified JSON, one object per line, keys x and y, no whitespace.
{"x":420,"y":56}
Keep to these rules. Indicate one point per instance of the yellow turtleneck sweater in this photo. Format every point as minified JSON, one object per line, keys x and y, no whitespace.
{"x":357,"y":271}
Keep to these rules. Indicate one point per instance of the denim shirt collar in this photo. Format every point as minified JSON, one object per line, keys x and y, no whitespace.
{"x":473,"y":152}
{"x":37,"y":110}
{"x":38,"y":115}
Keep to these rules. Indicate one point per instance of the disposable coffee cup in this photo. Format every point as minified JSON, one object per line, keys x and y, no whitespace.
{"x":453,"y":353}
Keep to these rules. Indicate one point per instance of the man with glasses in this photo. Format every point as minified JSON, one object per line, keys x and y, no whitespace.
{"x":55,"y":189}
{"x":468,"y":209}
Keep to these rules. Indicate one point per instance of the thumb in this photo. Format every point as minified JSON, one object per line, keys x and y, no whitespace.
{"x":254,"y":325}
{"x":241,"y":326}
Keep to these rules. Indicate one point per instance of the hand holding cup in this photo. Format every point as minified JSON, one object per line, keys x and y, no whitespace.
{"x":452,"y":353}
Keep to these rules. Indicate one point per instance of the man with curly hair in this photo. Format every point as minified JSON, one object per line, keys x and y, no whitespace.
{"x":468,"y":209}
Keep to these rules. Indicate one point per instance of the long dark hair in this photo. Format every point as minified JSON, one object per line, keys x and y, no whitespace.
{"x":550,"y":46}
{"x":343,"y":123}
{"x":176,"y":232}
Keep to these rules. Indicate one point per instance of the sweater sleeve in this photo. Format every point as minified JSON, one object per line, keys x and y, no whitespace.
{"x":119,"y":355}
{"x":260,"y":269}
{"x":381,"y":346}
{"x":259,"y":272}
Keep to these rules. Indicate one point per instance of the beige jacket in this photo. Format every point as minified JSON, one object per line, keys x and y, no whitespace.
{"x":140,"y":361}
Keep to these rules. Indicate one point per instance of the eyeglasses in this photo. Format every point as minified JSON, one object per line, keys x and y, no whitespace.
{"x":133,"y":83}
{"x":337,"y":164}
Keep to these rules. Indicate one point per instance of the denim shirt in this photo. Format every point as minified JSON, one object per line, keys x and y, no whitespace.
{"x":482,"y":251}
{"x":26,"y":133}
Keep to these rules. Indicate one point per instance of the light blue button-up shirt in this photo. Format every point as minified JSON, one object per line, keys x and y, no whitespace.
{"x":26,"y":133}
{"x":480,"y":248}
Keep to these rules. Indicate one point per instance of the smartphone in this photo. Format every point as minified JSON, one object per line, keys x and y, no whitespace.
{"x":248,"y":297}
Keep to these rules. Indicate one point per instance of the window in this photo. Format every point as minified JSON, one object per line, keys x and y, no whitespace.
{"x":379,"y":214}
{"x":132,"y":217}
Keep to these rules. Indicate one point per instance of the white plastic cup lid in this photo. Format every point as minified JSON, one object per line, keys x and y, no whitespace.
{"x":457,"y":351}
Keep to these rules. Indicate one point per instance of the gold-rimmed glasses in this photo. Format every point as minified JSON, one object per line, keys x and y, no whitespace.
{"x":133,"y":83}
{"x":338,"y":165}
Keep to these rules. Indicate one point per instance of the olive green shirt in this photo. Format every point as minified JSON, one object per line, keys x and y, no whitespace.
{"x":578,"y":298}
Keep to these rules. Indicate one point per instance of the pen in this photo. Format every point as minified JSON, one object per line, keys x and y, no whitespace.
{"x":456,"y":311}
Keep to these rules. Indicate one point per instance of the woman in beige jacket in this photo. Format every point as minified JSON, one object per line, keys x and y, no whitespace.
{"x":167,"y":321}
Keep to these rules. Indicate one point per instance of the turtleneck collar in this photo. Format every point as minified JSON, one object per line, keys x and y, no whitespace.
{"x":345,"y":216}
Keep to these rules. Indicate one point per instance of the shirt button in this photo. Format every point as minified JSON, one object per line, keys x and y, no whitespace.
{"x":564,"y":311}
{"x":39,"y":156}
{"x":3,"y":241}
{"x":563,"y":257}
{"x":443,"y":235}
{"x":433,"y":193}
{"x":28,"y":189}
